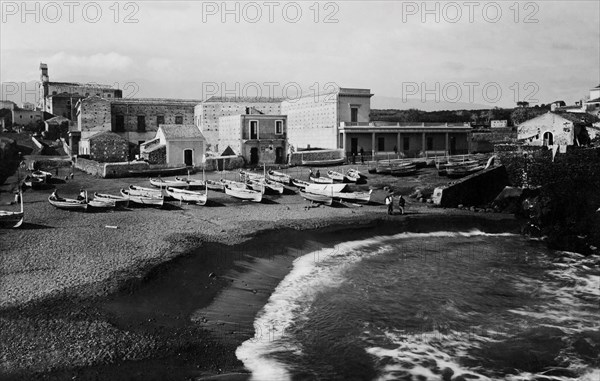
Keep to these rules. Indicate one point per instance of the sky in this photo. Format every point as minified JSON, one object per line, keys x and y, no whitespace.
{"x":491,"y":53}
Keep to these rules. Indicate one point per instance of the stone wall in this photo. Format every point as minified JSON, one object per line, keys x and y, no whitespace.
{"x":297,"y":157}
{"x":90,"y":166}
{"x":109,"y":148}
{"x":475,"y":190}
{"x":158,"y":156}
{"x":112,"y":170}
{"x":226,"y":163}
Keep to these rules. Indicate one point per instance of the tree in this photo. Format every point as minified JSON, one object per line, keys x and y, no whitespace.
{"x":523,"y":104}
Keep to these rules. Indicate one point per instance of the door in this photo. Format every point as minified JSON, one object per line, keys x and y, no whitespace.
{"x":354,"y":115}
{"x":279,"y":155}
{"x":254,"y":156}
{"x":452,"y":145}
{"x":119,"y":123}
{"x":188,"y":157}
{"x":354,"y":146}
{"x":381,"y":144}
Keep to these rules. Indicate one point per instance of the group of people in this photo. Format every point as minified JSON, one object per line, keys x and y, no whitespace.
{"x":315,"y":175}
{"x":389,"y":201}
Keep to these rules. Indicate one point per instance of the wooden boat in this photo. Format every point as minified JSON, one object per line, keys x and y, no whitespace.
{"x":188,"y":196}
{"x":354,"y":196}
{"x":256,"y":185}
{"x":318,"y":198}
{"x":279,"y":177}
{"x":34,"y":182}
{"x":322,"y":163}
{"x":274,"y":186}
{"x":102,"y":204}
{"x":233,"y":184}
{"x":354,"y":175}
{"x":263,"y":185}
{"x":117,"y":200}
{"x":336,"y":176}
{"x":245,"y":175}
{"x":192,"y":183}
{"x":321,"y":180}
{"x":143,"y":199}
{"x":325,"y":189}
{"x":42,"y":175}
{"x":10,"y":219}
{"x":300,"y":183}
{"x":145,"y":192}
{"x":215,"y":185}
{"x":67,"y":203}
{"x":404,"y":170}
{"x":244,"y":194}
{"x":160,"y":183}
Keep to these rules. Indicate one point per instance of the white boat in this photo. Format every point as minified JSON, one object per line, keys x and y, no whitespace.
{"x":245,"y":175}
{"x":256,"y":185}
{"x":117,"y":200}
{"x":321,"y":180}
{"x":353,"y":176}
{"x":192,"y":183}
{"x":355,"y":173}
{"x":215,"y":185}
{"x":244,"y":194}
{"x":300,"y":183}
{"x":67,"y":203}
{"x":321,"y":163}
{"x":10,"y":219}
{"x":102,"y":204}
{"x":160,"y":183}
{"x":336,"y":176}
{"x":42,"y":175}
{"x":135,"y":190}
{"x":318,"y":198}
{"x":233,"y":184}
{"x":325,"y":189}
{"x":274,"y":186}
{"x":354,"y":196}
{"x":143,"y":199}
{"x":280,"y":177}
{"x":188,"y":196}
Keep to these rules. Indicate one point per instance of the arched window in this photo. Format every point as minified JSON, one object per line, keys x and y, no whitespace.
{"x":548,"y":139}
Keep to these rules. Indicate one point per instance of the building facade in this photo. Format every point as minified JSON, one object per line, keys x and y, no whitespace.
{"x":175,"y":145}
{"x":313,"y":120}
{"x":22,"y":117}
{"x":552,"y":129}
{"x":208,"y":113}
{"x":258,"y":138}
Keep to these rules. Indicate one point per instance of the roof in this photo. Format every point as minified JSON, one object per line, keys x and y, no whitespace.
{"x":88,"y":85}
{"x":57,"y":119}
{"x":597,"y":100}
{"x":580,"y":118}
{"x":236,"y":99}
{"x":191,"y":102}
{"x":107,"y":135}
{"x":181,"y":131}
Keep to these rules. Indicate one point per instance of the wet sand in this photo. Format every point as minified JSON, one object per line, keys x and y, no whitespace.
{"x":170,"y":293}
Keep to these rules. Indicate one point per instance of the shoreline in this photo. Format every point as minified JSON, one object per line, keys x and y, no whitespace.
{"x":218,"y":353}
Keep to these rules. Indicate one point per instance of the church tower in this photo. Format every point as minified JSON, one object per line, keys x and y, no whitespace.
{"x":43,"y":92}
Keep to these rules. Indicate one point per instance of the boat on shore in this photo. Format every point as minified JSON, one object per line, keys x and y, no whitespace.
{"x":233,"y":184}
{"x":143,"y":199}
{"x":245,"y":175}
{"x":323,"y":163}
{"x":244,"y":194}
{"x":325,"y":189}
{"x":12,"y":219}
{"x":199,"y":198}
{"x":117,"y":200}
{"x":45,"y":176}
{"x":161,"y":183}
{"x":321,"y":179}
{"x":280,"y":177}
{"x":135,"y":190}
{"x":318,"y":198}
{"x":300,"y":183}
{"x":215,"y":185}
{"x":455,"y":172}
{"x":406,"y":169}
{"x":362,"y":197}
{"x":256,"y":185}
{"x":192,"y":183}
{"x":336,"y":176}
{"x":34,"y":183}
{"x":67,"y":203}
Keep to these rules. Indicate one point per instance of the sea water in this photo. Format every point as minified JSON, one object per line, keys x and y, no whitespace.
{"x":429,"y":306}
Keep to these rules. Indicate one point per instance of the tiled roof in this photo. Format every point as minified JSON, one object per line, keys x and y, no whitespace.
{"x":57,"y":119}
{"x":181,"y":131}
{"x":583,"y":118}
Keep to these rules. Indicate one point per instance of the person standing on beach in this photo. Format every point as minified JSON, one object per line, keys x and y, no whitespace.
{"x":401,"y":204}
{"x":362,"y":155}
{"x":389,"y":201}
{"x":318,"y":174}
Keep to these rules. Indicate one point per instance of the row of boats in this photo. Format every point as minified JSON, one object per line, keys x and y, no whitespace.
{"x":451,"y":166}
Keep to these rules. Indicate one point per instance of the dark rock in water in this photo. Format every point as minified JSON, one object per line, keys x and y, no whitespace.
{"x":467,"y":376}
{"x":420,"y":377}
{"x":428,"y":363}
{"x":212,"y":275}
{"x":585,"y":347}
{"x":447,"y":374}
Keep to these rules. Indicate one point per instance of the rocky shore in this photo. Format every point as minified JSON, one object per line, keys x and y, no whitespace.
{"x":62,"y":270}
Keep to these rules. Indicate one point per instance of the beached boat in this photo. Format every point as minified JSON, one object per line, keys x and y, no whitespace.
{"x":42,"y":175}
{"x":192,"y":183}
{"x":234,"y":184}
{"x":146,"y":199}
{"x":353,"y":175}
{"x":188,"y":196}
{"x":67,"y":203}
{"x":318,"y":198}
{"x":321,"y":180}
{"x":256,"y":185}
{"x":245,"y":175}
{"x":279,"y":177}
{"x":404,"y":170}
{"x":160,"y":183}
{"x":34,"y":183}
{"x":323,"y":163}
{"x":336,"y":176}
{"x":354,"y":196}
{"x":244,"y":194}
{"x":325,"y":189}
{"x":265,"y":185}
{"x":12,"y":219}
{"x":107,"y":198}
{"x":215,"y":185}
{"x":135,"y":190}
{"x":300,"y":183}
{"x":102,"y":204}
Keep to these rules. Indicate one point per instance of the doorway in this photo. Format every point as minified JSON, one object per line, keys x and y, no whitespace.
{"x":354,"y":146}
{"x":188,"y":157}
{"x":253,"y":156}
{"x":279,"y":155}
{"x":452,"y":145}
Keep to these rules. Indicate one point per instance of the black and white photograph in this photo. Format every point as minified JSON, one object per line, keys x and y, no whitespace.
{"x":305,"y":190}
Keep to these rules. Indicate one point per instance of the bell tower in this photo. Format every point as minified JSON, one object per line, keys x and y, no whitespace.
{"x":44,"y":72}
{"x":44,"y":79}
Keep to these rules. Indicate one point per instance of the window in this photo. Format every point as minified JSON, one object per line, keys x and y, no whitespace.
{"x":141,"y":123}
{"x":381,"y":144}
{"x":179,"y":119}
{"x":429,"y":143}
{"x":120,"y":123}
{"x":279,"y":127}
{"x":406,"y":144}
{"x":254,"y":129}
{"x":548,"y":139}
{"x":354,"y":114}
{"x":160,"y":119}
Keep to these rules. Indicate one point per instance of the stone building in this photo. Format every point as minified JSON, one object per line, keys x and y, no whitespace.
{"x":208,"y":112}
{"x":551,"y":129}
{"x":22,"y":117}
{"x":175,"y":145}
{"x":60,"y":98}
{"x":258,"y":138}
{"x":106,"y":147}
{"x":409,"y":139}
{"x":313,"y":120}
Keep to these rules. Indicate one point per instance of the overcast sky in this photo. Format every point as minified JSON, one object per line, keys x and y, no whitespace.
{"x":544,"y":50}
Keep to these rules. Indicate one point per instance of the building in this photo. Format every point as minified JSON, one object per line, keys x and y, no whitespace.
{"x":409,"y":139}
{"x":593,"y":104}
{"x":105,"y":147}
{"x":28,"y":106}
{"x":7,"y":105}
{"x":60,"y":98}
{"x":136,"y":120}
{"x":551,"y":129}
{"x":175,"y":145}
{"x":208,"y":112}
{"x":22,"y":117}
{"x":313,"y":120}
{"x":258,"y":138}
